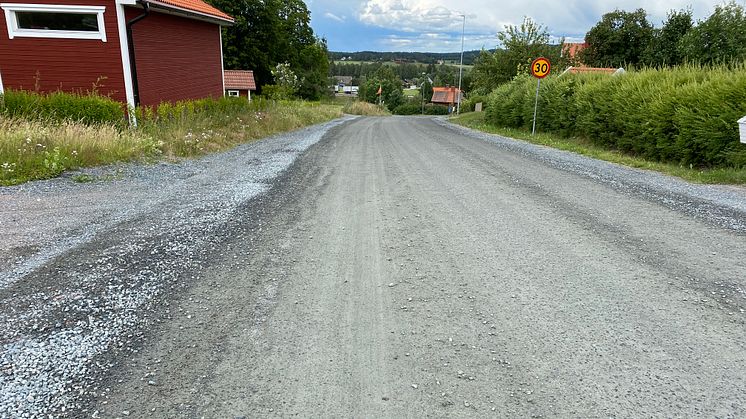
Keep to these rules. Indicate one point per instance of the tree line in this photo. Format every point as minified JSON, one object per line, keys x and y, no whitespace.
{"x":619,"y":39}
{"x":624,"y":38}
{"x":274,"y":39}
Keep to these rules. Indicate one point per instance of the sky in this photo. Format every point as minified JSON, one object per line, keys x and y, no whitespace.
{"x":435,"y":25}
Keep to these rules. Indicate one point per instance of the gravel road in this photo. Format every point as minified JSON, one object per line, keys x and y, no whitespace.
{"x":374,"y":267}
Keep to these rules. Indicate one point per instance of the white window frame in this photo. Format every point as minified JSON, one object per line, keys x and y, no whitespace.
{"x":234,"y":93}
{"x":14,"y":31}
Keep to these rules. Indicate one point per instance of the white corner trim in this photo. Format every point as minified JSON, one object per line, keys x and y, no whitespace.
{"x":14,"y":31}
{"x":125,"y":53}
{"x":2,"y":90}
{"x":222,"y":65}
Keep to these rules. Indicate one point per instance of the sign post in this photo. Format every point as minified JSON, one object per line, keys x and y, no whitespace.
{"x":540,"y":68}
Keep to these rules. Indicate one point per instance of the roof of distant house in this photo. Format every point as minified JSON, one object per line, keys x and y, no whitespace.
{"x":593,"y":70}
{"x":198,"y":7}
{"x":239,"y":79}
{"x":572,"y":49}
{"x":445,"y":95}
{"x":347,"y":80}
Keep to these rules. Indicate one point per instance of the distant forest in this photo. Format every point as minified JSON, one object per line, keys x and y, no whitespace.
{"x":413,"y":57}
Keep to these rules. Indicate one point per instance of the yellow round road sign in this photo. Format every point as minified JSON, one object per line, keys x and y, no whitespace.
{"x":540,"y":68}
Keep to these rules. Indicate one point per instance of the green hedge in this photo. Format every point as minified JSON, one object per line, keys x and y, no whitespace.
{"x":684,"y":115}
{"x":58,"y":106}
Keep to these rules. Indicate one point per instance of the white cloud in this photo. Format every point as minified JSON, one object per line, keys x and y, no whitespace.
{"x":332,"y":16}
{"x":571,"y":17}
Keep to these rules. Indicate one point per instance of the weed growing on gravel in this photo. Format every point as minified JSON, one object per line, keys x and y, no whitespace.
{"x":32,"y":149}
{"x":730,"y":176}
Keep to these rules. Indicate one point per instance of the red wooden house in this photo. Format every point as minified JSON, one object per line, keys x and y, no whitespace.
{"x":447,"y":96}
{"x":140,"y":52}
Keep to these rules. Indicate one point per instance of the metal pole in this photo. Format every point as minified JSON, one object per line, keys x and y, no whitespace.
{"x":461,"y":67}
{"x":536,"y":106}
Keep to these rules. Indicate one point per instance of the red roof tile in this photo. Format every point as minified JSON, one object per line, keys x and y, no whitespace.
{"x":195,"y":6}
{"x":595,"y":70}
{"x":239,"y":79}
{"x":445,"y":95}
{"x":572,"y":49}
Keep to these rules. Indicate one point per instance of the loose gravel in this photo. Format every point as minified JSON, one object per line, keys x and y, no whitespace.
{"x":133,"y":236}
{"x":719,"y":205}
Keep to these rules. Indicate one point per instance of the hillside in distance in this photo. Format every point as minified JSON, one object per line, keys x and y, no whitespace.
{"x":413,"y":57}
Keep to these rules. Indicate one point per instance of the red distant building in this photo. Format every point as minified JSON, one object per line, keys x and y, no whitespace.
{"x":446,"y":96}
{"x":138,"y":52}
{"x":572,"y":49}
{"x":239,"y":83}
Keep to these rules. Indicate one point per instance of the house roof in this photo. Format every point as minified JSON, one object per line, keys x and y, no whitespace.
{"x":239,"y":79}
{"x":198,"y":7}
{"x":445,"y":95}
{"x":344,"y":79}
{"x":573,"y":48}
{"x":593,"y":70}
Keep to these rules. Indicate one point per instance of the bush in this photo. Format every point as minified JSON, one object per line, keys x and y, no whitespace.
{"x":433,"y":109}
{"x":685,"y":115}
{"x":469,"y":105}
{"x":408,"y":109}
{"x":59,"y":106}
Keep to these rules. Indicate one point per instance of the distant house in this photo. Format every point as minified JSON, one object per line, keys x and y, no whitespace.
{"x":594,"y":70}
{"x":343,"y":80}
{"x":572,"y":49}
{"x":447,"y":96}
{"x":141,"y":52}
{"x":239,"y":83}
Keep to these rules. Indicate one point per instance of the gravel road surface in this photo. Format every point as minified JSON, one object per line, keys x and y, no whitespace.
{"x":374,"y":267}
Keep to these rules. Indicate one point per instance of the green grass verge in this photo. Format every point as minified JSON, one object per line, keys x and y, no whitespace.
{"x":576,"y":145}
{"x":41,"y":149}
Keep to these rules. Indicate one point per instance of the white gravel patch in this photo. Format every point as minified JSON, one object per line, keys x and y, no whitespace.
{"x":144,"y":230}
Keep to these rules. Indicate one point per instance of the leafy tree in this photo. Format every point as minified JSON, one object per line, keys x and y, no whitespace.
{"x":390,"y":85}
{"x":722,"y":37}
{"x":521,"y":45}
{"x":664,"y":46}
{"x":268,"y":32}
{"x":619,"y":39}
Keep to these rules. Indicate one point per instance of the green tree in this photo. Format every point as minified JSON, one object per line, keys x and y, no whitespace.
{"x":663,"y":49}
{"x":390,"y":84}
{"x":619,"y":39}
{"x":268,"y":32}
{"x":521,"y":45}
{"x":720,"y":38}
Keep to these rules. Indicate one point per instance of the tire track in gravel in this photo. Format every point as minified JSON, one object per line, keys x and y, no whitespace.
{"x":408,"y":270}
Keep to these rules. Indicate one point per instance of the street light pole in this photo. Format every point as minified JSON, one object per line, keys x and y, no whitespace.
{"x":461,"y":67}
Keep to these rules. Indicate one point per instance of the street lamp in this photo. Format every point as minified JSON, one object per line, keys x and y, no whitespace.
{"x":461,"y":67}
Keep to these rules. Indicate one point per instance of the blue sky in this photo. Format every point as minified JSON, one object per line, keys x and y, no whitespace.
{"x":435,"y":25}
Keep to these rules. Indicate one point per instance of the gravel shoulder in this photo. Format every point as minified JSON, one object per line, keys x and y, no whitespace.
{"x":400,"y":267}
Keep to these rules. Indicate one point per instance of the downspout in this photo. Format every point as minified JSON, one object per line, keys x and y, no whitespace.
{"x":131,"y":47}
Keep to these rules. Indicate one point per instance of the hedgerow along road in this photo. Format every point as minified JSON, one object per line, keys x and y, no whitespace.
{"x":403,"y":267}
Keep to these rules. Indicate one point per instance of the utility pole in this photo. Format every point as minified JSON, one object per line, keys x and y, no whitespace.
{"x":461,"y":67}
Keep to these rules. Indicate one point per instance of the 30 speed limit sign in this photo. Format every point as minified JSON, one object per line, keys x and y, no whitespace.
{"x":540,"y":68}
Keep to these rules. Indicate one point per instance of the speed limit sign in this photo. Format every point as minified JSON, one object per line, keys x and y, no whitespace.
{"x":540,"y":68}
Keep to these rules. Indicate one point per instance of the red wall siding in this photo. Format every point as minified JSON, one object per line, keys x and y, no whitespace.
{"x":177,"y":58}
{"x":64,"y":64}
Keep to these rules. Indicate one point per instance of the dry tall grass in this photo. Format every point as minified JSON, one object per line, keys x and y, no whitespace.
{"x":365,"y":109}
{"x":31,"y":150}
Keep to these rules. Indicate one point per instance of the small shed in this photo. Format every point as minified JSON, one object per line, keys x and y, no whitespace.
{"x":239,"y":83}
{"x":448,"y":95}
{"x":742,"y":129}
